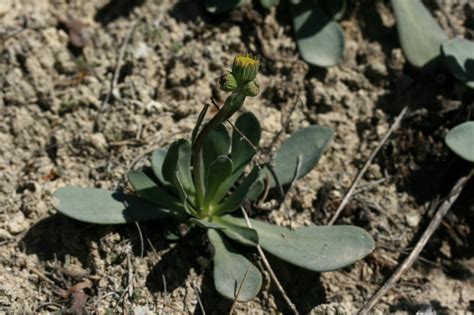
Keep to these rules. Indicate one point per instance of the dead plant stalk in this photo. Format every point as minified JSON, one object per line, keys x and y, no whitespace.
{"x":408,"y":262}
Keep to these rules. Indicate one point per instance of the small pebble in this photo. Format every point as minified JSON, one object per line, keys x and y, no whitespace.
{"x":4,"y":235}
{"x":99,"y":142}
{"x":17,"y":223}
{"x":413,"y":219}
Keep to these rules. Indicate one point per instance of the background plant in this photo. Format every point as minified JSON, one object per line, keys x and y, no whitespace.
{"x":201,"y":181}
{"x":425,"y":44}
{"x":319,"y":37}
{"x":460,"y":139}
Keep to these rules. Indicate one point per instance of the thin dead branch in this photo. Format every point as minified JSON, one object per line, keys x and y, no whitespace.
{"x":198,"y":294}
{"x":270,"y":270}
{"x":408,"y":262}
{"x":361,"y":173}
{"x":142,"y":242}
{"x":236,"y":298}
{"x":115,"y":76}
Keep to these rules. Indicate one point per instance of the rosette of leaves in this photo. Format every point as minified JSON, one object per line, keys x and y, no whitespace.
{"x":319,"y":37}
{"x":202,"y":181}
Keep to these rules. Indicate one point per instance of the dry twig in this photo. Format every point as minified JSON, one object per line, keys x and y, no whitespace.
{"x":408,"y":262}
{"x":361,"y":173}
{"x":270,"y":270}
{"x":115,"y":76}
{"x":198,"y":292}
{"x":142,"y":242}
{"x":231,"y":311}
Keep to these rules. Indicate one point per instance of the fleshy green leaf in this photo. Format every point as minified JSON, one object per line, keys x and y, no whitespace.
{"x":217,"y":143}
{"x":241,"y":234}
{"x":177,"y":167}
{"x":335,"y":9}
{"x":234,"y":276}
{"x":104,"y":207}
{"x":419,"y":33}
{"x":157,"y":159}
{"x":221,"y":6}
{"x":226,"y":186}
{"x":317,"y":248}
{"x":219,"y":171}
{"x":269,"y":3}
{"x":460,"y":139}
{"x":206,"y":224}
{"x":238,"y":195}
{"x":459,"y":56}
{"x":320,"y":40}
{"x":201,"y":116}
{"x":242,"y":151}
{"x":150,"y":191}
{"x":308,"y":143}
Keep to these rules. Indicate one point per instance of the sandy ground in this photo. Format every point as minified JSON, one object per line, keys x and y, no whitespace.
{"x":56,"y":130}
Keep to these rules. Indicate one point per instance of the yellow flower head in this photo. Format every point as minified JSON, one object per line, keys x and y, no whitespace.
{"x":245,"y":67}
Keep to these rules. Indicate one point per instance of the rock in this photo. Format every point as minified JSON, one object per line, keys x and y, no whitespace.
{"x":4,"y":235}
{"x":376,"y":70}
{"x":142,"y":310}
{"x":17,"y":223}
{"x":153,"y":107}
{"x":141,"y":51}
{"x":5,"y":6}
{"x":397,"y":60}
{"x":330,"y":309}
{"x":99,"y":142}
{"x":412,"y":219}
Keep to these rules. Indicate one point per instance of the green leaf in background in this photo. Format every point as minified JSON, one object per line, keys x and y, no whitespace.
{"x":222,"y":6}
{"x":320,"y":40}
{"x":419,"y":33}
{"x":308,"y":143}
{"x":459,"y":56}
{"x":150,"y":191}
{"x":317,"y":248}
{"x":234,"y":276}
{"x":335,"y":9}
{"x":269,"y":3}
{"x":102,"y":206}
{"x":157,"y":159}
{"x":460,"y":139}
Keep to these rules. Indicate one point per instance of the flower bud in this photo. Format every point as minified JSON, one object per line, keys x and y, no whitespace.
{"x":245,"y":68}
{"x":251,"y":88}
{"x":228,"y":82}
